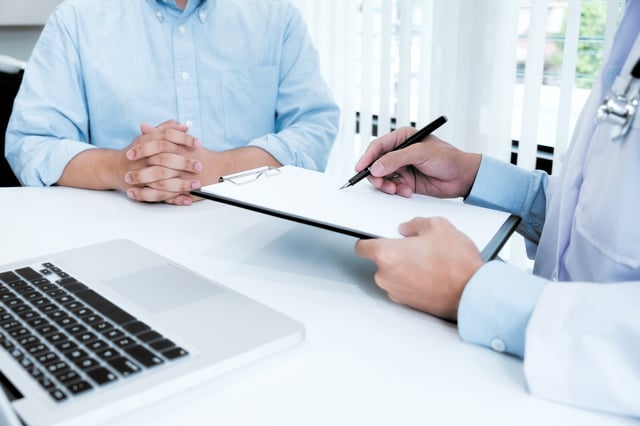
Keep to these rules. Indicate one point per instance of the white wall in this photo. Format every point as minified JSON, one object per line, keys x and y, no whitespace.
{"x":20,"y":24}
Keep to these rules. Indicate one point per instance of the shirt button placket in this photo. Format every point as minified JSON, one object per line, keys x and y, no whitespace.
{"x":186,"y":83}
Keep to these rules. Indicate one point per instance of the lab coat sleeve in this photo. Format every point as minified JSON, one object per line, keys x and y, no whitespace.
{"x":580,"y":341}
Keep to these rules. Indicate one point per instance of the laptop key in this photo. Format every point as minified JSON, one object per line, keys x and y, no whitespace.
{"x":47,"y":358}
{"x":124,"y":342}
{"x":46,"y":329}
{"x":97,"y":345}
{"x":102,"y":326}
{"x":68,"y":376}
{"x":102,"y":376}
{"x":57,"y":394}
{"x":79,"y":387}
{"x":108,"y":353}
{"x":66,"y":346}
{"x":35,"y":372}
{"x":37,"y":349}
{"x":76,"y":287}
{"x":136,"y":327}
{"x":40,"y":281}
{"x":28,"y":273}
{"x":123,"y":366}
{"x":149,"y":336}
{"x":144,"y":356}
{"x":57,"y":367}
{"x":105,"y":307}
{"x":174,"y":353}
{"x":18,"y":332}
{"x":162,"y":345}
{"x":66,"y":281}
{"x":87,"y":363}
{"x":8,"y":277}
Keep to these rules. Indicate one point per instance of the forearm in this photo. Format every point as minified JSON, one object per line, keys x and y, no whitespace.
{"x":96,"y":169}
{"x":217,"y":164}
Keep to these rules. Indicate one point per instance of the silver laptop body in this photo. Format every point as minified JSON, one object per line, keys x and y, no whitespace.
{"x":143,"y":328}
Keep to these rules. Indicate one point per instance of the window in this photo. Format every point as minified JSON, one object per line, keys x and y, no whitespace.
{"x":512,"y":76}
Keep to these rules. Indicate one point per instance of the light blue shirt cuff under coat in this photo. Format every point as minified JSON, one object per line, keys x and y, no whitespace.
{"x":499,"y":185}
{"x":502,"y":186}
{"x":496,"y":306}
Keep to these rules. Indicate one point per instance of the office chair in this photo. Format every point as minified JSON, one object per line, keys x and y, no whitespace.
{"x":9,"y":84}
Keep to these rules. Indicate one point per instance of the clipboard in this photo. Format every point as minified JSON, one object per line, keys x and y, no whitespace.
{"x":361,"y":211}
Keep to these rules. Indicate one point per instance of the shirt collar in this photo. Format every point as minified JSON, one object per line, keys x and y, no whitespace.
{"x":169,"y":7}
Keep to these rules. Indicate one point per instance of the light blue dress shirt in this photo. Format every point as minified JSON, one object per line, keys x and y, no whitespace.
{"x":237,"y":72}
{"x":579,"y":337}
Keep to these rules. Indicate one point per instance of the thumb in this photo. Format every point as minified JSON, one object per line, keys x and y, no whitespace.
{"x":365,"y":248}
{"x":146,"y":128}
{"x":416,"y":226}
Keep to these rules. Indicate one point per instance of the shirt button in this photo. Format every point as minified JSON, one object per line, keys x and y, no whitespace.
{"x":201,"y":15}
{"x":182,"y":29}
{"x":159,"y":15}
{"x":189,"y":123}
{"x":498,"y":345}
{"x":185,"y":75}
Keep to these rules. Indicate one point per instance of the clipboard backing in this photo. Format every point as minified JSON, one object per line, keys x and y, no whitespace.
{"x":314,"y":198}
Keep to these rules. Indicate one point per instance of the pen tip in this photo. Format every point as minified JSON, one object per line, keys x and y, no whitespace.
{"x":346,"y":185}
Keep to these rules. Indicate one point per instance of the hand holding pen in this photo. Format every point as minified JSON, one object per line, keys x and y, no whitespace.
{"x":419,"y":136}
{"x":397,"y":164}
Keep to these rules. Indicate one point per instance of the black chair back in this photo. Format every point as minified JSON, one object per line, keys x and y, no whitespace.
{"x":9,"y":84}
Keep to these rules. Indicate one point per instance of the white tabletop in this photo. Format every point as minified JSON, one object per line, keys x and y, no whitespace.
{"x":364,"y":361}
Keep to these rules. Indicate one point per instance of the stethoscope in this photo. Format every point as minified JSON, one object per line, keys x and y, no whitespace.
{"x":619,"y":107}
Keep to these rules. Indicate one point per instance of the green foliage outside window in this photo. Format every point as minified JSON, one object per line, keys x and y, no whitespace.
{"x":593,"y":21}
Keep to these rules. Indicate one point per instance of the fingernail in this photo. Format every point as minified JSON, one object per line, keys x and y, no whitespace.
{"x":131,"y":194}
{"x":197,"y":143}
{"x":195,"y":184}
{"x":128,"y":178}
{"x":377,"y":169}
{"x":131,"y":154}
{"x":186,"y":202}
{"x":197,"y":166}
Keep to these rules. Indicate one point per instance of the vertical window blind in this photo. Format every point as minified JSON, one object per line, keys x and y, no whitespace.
{"x":508,"y":74}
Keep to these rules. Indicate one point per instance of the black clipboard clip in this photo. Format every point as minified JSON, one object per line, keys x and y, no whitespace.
{"x":250,"y":175}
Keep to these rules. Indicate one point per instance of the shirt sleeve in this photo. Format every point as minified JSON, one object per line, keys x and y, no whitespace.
{"x":512,"y":189}
{"x":577,"y":350}
{"x":49,"y":125}
{"x":306,"y":116}
{"x":496,"y":306}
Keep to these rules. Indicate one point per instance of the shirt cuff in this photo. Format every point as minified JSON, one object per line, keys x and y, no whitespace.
{"x":496,"y":306}
{"x":499,"y":185}
{"x":44,"y":167}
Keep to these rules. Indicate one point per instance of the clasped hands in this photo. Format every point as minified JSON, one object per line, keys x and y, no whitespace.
{"x":163,"y":164}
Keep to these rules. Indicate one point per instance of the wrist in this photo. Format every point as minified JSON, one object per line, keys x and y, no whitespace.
{"x":469,"y":167}
{"x":112,"y":169}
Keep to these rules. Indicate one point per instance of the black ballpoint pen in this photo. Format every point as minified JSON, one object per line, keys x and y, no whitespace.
{"x":419,"y":136}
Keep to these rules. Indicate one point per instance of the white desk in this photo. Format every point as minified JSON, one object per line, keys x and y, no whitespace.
{"x":365,"y":360}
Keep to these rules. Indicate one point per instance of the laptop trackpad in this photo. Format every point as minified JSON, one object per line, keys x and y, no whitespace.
{"x":162,"y":287}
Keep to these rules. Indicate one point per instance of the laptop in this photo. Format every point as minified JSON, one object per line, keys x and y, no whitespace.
{"x":91,"y":333}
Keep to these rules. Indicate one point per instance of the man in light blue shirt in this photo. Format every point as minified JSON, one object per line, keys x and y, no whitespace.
{"x":576,"y":320}
{"x":158,"y":97}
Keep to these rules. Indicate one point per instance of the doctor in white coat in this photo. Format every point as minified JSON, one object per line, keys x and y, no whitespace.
{"x":576,"y":319}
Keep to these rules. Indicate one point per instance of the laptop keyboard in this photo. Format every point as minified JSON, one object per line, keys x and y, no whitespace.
{"x":71,"y":339}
